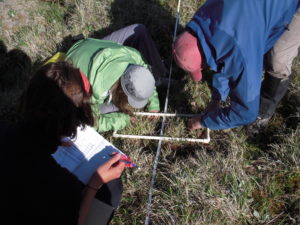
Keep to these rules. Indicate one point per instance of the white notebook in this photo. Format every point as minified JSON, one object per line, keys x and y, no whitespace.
{"x":85,"y":154}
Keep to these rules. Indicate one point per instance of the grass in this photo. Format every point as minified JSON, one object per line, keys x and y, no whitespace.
{"x":235,"y":179}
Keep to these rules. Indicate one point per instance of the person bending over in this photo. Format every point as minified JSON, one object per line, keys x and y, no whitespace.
{"x":123,"y":70}
{"x":232,"y":38}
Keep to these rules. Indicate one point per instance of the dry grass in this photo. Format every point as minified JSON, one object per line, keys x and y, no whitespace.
{"x":235,"y":179}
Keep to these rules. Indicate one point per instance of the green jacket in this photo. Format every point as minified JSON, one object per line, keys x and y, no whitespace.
{"x":103,"y":62}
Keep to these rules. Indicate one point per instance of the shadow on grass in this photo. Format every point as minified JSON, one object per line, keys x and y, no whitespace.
{"x":183,"y":150}
{"x":158,"y":21}
{"x":289,"y":109}
{"x":15,"y":68}
{"x":285,"y":121}
{"x":15,"y":71}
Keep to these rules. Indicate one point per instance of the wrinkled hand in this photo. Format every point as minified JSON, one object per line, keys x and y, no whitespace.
{"x":109,"y":171}
{"x":153,"y":117}
{"x":194,"y":123}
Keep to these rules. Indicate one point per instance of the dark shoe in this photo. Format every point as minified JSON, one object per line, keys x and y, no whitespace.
{"x":272,"y":91}
{"x":258,"y":126}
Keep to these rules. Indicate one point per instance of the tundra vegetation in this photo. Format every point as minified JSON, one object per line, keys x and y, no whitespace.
{"x":235,"y":179}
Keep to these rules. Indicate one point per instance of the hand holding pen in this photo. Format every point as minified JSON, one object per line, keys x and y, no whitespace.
{"x":127,"y":160}
{"x":110,"y":170}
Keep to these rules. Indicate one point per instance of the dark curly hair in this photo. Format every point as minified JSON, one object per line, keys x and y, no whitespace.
{"x":57,"y":101}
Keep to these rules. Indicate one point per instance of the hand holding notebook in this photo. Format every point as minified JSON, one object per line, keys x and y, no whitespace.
{"x":86,"y":152}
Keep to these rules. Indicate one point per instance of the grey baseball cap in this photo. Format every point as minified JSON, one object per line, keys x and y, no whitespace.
{"x":138,"y":84}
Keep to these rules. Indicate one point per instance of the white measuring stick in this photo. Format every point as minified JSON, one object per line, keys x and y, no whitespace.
{"x":164,"y":138}
{"x":165,"y":114}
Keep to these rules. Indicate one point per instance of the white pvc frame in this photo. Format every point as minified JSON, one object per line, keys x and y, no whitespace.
{"x":163,"y":138}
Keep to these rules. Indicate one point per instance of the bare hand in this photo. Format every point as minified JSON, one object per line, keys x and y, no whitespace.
{"x":194,"y":123}
{"x":153,"y":117}
{"x":132,"y":119}
{"x":109,"y":171}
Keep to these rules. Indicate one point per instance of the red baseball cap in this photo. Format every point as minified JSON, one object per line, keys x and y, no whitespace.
{"x":187,"y":55}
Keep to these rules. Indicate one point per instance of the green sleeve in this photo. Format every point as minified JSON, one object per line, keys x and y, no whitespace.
{"x":109,"y":121}
{"x":153,"y":102}
{"x":112,"y":121}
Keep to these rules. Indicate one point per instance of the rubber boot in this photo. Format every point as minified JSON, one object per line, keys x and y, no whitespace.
{"x":272,"y":91}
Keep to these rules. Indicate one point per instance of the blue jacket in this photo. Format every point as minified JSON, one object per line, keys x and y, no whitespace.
{"x":235,"y":35}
